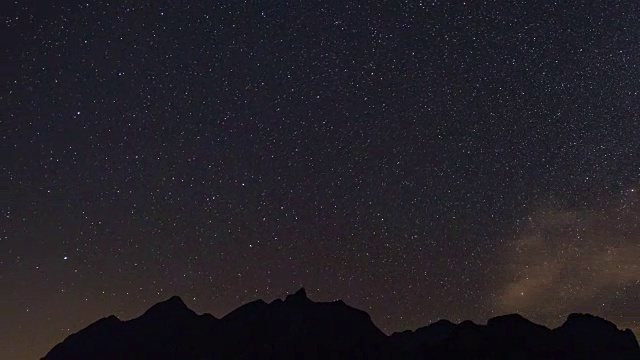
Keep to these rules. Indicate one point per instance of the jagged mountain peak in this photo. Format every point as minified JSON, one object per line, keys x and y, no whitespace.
{"x":510,"y":320}
{"x":300,"y":328}
{"x":170,"y":308}
{"x":298,"y":296}
{"x":443,"y":322}
{"x":581,"y":319}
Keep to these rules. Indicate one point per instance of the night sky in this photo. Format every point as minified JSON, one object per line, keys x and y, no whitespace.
{"x":419,"y":160}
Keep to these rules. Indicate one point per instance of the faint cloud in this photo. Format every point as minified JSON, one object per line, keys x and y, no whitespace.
{"x":570,"y":259}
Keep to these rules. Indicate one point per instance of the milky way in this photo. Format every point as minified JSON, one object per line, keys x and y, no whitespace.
{"x":419,"y":160}
{"x":568,"y":259}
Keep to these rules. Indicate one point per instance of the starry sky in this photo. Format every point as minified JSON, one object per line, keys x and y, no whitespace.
{"x":417,"y":159}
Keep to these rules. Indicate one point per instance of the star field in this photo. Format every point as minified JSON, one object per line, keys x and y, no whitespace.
{"x":417,"y":159}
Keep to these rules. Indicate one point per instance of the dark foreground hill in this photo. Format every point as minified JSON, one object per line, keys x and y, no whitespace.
{"x":298,"y":328}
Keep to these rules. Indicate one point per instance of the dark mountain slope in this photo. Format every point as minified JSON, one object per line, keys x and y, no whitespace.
{"x":299,"y":328}
{"x":168,"y":330}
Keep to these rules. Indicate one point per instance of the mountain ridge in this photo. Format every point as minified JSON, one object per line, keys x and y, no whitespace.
{"x":298,"y":327}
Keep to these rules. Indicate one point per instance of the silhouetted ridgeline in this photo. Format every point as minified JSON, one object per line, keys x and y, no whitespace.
{"x":298,"y":328}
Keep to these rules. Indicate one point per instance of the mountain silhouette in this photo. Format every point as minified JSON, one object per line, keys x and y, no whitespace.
{"x":299,"y":328}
